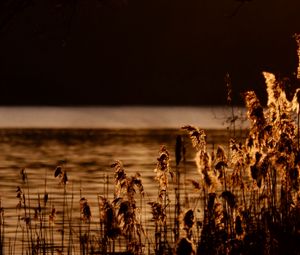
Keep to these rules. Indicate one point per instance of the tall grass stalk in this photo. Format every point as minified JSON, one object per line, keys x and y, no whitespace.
{"x":2,"y":228}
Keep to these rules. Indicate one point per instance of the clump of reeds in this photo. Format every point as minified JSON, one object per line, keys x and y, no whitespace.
{"x":122,"y":216}
{"x":109,"y":225}
{"x":179,"y":157}
{"x":255,"y":203}
{"x":159,"y":208}
{"x":248,"y":196}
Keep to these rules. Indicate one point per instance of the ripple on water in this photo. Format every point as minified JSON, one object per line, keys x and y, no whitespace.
{"x":86,"y":155}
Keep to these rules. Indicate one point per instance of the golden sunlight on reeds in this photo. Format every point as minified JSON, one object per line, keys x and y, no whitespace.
{"x":297,"y":37}
{"x":243,"y":197}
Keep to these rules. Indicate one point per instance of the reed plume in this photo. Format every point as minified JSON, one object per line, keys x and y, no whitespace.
{"x":85,"y":210}
{"x":127,"y":212}
{"x":297,"y":38}
{"x":61,"y":174}
{"x":197,"y":136}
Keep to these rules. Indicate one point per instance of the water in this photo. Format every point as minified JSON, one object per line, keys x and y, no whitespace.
{"x":86,"y":154}
{"x":128,"y":117}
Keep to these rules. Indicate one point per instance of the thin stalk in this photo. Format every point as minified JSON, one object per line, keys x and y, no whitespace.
{"x":70,"y":244}
{"x":63,"y":219}
{"x":80,"y":227}
{"x":44,"y":211}
{"x":100,"y":224}
{"x":2,"y":228}
{"x":27,"y":222}
{"x":51,"y":231}
{"x":177,"y":205}
{"x":29,"y":213}
{"x":22,"y":241}
{"x":298,"y":129}
{"x":16,"y":233}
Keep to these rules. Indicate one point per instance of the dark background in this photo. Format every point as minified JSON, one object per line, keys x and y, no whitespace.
{"x":143,"y":52}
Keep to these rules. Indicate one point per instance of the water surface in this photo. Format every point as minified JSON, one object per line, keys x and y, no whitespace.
{"x":85,"y":142}
{"x":130,"y":117}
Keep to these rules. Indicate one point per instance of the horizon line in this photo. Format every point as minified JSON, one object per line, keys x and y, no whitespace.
{"x":117,"y":117}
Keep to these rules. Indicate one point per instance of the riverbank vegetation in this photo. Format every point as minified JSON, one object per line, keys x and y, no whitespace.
{"x":246,"y":196}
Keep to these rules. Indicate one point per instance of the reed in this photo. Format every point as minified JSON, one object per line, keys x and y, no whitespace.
{"x":62,"y":175}
{"x":247,"y":196}
{"x":2,"y":228}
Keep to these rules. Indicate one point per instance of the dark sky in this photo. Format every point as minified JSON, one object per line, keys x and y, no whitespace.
{"x":153,"y":52}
